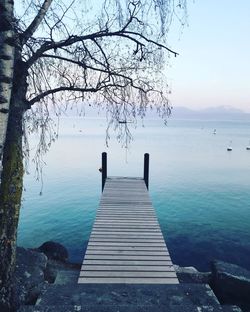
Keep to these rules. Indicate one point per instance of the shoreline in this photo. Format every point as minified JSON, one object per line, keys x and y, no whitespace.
{"x":36,"y":273}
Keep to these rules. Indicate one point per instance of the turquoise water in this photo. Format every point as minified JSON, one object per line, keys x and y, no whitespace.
{"x":200,"y":191}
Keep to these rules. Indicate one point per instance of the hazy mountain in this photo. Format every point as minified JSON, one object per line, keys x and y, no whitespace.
{"x":178,"y":112}
{"x":216,"y":113}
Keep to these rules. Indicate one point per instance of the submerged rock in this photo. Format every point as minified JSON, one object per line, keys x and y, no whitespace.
{"x":54,"y":251}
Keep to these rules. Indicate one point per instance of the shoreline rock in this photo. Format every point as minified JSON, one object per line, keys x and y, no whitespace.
{"x":29,"y":275}
{"x":36,"y":271}
{"x":192,"y":275}
{"x":231,"y":283}
{"x":54,"y":251}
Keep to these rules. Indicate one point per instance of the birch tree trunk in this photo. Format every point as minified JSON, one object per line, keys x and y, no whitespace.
{"x":6,"y":66}
{"x":10,"y":201}
{"x":11,"y":167}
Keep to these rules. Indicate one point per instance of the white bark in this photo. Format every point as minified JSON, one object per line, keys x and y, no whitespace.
{"x":6,"y":67}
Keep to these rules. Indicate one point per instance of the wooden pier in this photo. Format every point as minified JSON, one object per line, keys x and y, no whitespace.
{"x":126,"y":243}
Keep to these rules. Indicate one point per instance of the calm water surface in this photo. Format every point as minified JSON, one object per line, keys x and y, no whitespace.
{"x":201,"y":192}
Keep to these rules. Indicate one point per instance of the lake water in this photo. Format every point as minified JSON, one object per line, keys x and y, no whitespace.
{"x":201,"y":192}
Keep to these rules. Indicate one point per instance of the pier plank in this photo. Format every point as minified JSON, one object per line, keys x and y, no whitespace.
{"x":126,"y":280}
{"x":122,"y":273}
{"x":126,"y":262}
{"x":125,"y":242}
{"x":137,"y":248}
{"x":130,"y":268}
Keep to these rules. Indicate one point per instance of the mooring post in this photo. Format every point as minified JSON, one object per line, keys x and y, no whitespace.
{"x":146,"y":168}
{"x":104,"y":169}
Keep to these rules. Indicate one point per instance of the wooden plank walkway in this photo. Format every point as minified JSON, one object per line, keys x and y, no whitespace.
{"x":126,"y":243}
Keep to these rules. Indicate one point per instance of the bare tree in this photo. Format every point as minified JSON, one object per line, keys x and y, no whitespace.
{"x":53,"y":53}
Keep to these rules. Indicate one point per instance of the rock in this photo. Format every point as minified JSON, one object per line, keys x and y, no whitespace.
{"x":191,"y":275}
{"x":29,"y":275}
{"x":62,"y":273}
{"x":54,"y":251}
{"x":66,"y":277}
{"x":231,"y":308}
{"x":35,"y":292}
{"x":34,"y":272}
{"x":230,"y":282}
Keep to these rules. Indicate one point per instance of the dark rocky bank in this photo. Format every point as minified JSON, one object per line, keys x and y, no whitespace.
{"x":46,"y":281}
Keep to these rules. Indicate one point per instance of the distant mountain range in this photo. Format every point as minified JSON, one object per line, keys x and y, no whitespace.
{"x":216,"y":113}
{"x":179,"y":112}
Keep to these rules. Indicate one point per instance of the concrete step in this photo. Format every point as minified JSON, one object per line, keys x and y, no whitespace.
{"x":67,"y":308}
{"x":133,"y":294}
{"x":127,"y":298}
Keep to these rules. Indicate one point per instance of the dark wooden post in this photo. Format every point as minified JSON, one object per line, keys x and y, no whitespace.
{"x":146,"y":169}
{"x":104,"y":169}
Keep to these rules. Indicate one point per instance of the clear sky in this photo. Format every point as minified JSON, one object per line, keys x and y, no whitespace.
{"x":213,"y":67}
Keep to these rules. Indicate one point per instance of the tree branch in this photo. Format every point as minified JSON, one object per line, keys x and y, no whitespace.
{"x":65,"y":88}
{"x":36,"y":22}
{"x":84,"y":65}
{"x":101,"y":34}
{"x":150,"y":41}
{"x":99,"y":87}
